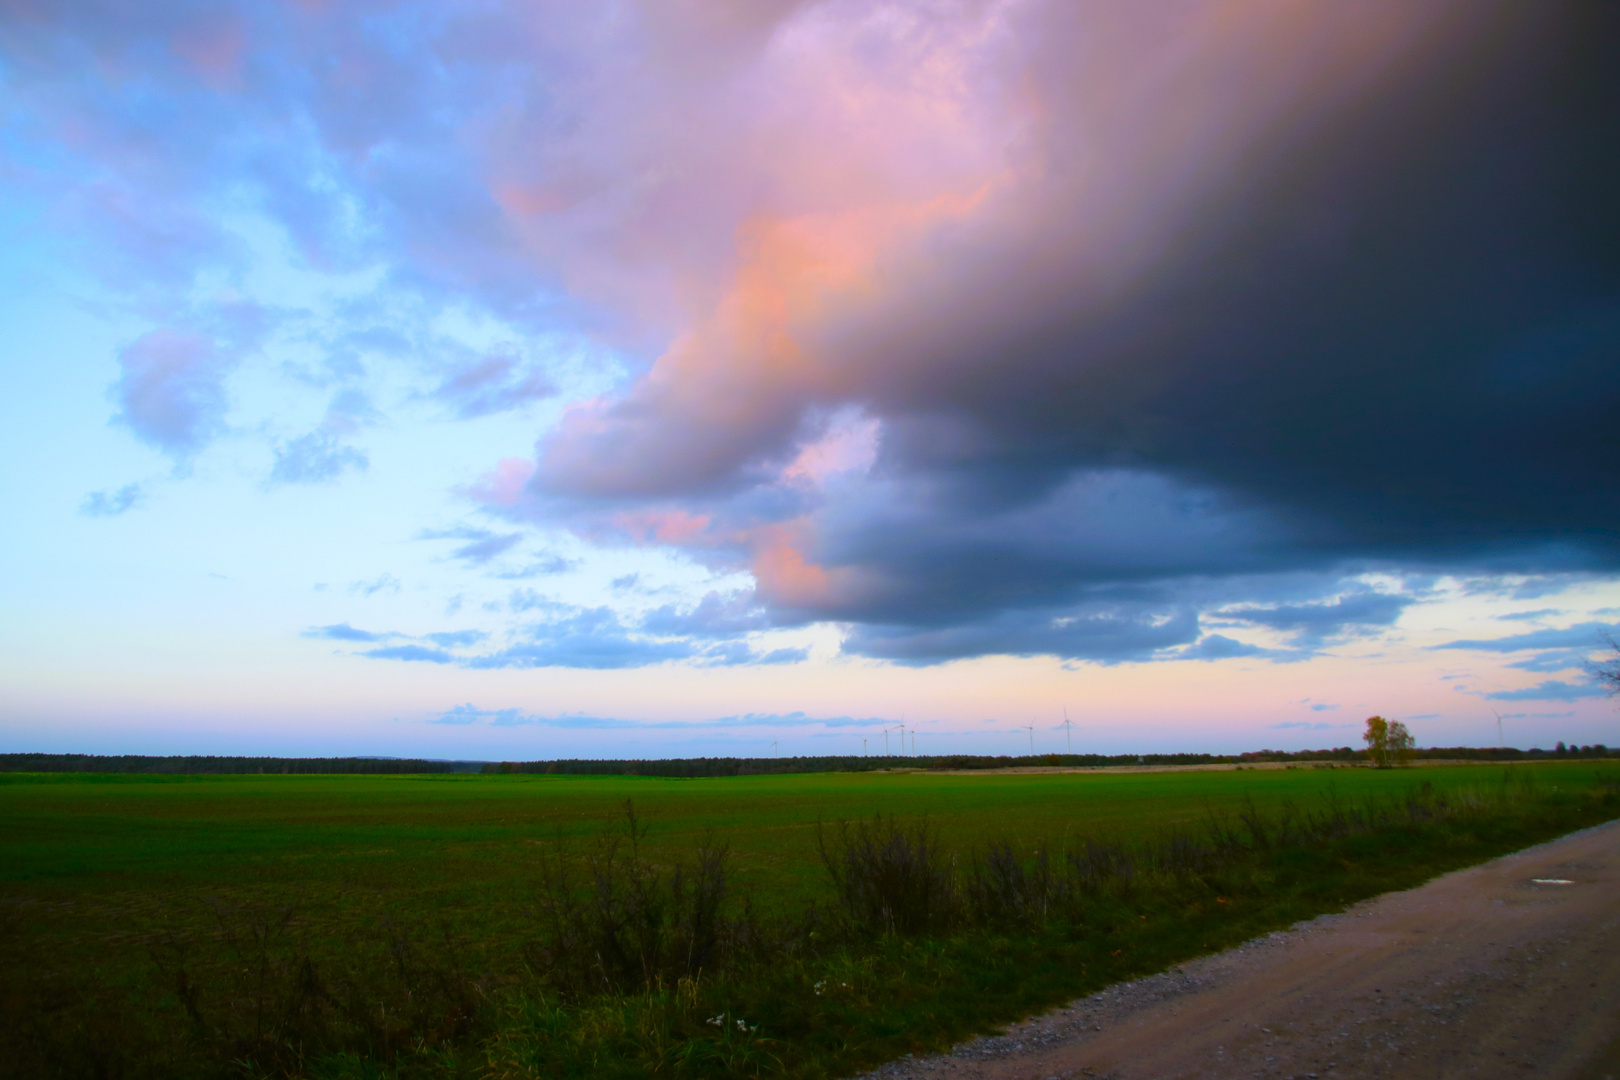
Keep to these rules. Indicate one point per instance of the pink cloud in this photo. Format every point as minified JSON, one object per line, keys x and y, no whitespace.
{"x":503,"y":486}
{"x":838,"y":214}
{"x":675,"y":528}
{"x":214,"y":47}
{"x":171,"y":389}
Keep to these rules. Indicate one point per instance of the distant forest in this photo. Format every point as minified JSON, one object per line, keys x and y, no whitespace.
{"x":193,"y":764}
{"x":696,"y":767}
{"x":729,"y":766}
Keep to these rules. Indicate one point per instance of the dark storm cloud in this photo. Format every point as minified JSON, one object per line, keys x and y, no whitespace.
{"x":1390,"y":336}
{"x":1372,"y":323}
{"x":1400,"y":338}
{"x":1108,"y":636}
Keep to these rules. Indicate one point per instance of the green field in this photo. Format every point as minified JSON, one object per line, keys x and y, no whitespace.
{"x":99,"y":873}
{"x":465,"y":838}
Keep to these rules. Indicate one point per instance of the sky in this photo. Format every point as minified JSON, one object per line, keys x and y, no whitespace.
{"x":747,"y":377}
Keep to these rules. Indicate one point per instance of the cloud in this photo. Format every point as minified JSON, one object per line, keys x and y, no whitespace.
{"x":594,"y":653}
{"x":483,"y":545}
{"x":382,"y":583}
{"x":550,"y":564}
{"x":511,"y":717}
{"x":491,"y":385}
{"x":410,"y":652}
{"x":486,"y":548}
{"x":737,"y":653}
{"x":468,"y":714}
{"x":1551,"y":690}
{"x":1114,"y":634}
{"x":1014,"y":347}
{"x":112,"y":503}
{"x":716,"y":615}
{"x":1315,"y":621}
{"x":1219,"y":647}
{"x":529,"y":600}
{"x":568,"y":636}
{"x":171,"y":390}
{"x":315,"y":458}
{"x":450,"y":639}
{"x":1587,"y":635}
{"x":947,"y":322}
{"x":460,"y":715}
{"x":1530,"y":616}
{"x":344,"y":632}
{"x":349,"y":411}
{"x":1306,"y":725}
{"x":1553,"y":661}
{"x":782,"y":656}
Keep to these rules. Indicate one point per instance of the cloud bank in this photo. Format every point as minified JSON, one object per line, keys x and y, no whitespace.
{"x":971,"y":326}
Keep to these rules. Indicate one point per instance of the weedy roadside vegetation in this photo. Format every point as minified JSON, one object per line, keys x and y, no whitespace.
{"x":632,"y":965}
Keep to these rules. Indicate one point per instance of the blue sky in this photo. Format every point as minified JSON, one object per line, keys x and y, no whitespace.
{"x":546,"y":380}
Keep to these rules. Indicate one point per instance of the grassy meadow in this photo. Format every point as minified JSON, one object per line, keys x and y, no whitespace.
{"x":266,"y":925}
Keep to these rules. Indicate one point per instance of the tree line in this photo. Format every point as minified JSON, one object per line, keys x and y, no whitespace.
{"x":209,"y":764}
{"x":693,"y":768}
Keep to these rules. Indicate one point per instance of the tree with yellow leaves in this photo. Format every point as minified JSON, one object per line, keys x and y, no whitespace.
{"x":1388,"y":743}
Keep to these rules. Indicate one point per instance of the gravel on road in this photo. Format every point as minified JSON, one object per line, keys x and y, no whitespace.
{"x":1507,"y":969}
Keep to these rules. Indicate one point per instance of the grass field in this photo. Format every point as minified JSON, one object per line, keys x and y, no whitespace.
{"x":99,"y":874}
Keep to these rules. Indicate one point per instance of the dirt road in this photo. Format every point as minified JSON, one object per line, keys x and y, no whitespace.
{"x":1482,"y":973}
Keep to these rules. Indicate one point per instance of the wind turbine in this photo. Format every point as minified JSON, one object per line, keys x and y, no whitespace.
{"x":773,"y":748}
{"x":1500,"y":741}
{"x":1068,"y":728}
{"x":863,"y":746}
{"x":1031,"y":729}
{"x":885,"y":740}
{"x":902,"y":737}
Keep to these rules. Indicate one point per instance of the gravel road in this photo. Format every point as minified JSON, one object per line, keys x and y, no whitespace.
{"x":1485,"y":972}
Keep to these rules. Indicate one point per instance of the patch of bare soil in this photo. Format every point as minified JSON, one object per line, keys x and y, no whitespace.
{"x":1507,"y":969}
